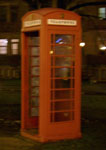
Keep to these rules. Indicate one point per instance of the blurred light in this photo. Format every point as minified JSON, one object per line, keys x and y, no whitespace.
{"x":3,"y":42}
{"x":103,"y":48}
{"x":51,"y":52}
{"x":82,"y":44}
{"x":58,"y":40}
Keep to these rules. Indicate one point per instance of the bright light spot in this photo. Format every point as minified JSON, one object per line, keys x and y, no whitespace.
{"x":3,"y":42}
{"x":103,"y":48}
{"x":58,"y":40}
{"x":82,"y":44}
{"x":51,"y":52}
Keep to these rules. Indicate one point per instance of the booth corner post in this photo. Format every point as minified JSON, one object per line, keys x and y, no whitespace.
{"x":51,"y":75}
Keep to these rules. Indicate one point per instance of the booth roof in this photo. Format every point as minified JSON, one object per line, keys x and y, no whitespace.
{"x":45,"y":11}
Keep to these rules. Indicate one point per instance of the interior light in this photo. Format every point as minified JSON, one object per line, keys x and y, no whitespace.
{"x":51,"y":52}
{"x":82,"y":44}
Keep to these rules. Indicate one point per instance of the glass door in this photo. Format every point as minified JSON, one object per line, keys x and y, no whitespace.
{"x":34,"y":69}
{"x":62,"y":77}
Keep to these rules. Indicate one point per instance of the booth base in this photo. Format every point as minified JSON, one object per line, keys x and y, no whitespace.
{"x":31,"y":134}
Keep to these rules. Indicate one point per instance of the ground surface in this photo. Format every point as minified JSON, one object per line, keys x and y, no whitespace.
{"x":93,"y":120}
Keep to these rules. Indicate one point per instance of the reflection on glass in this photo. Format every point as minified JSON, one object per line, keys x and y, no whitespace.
{"x":35,"y":91}
{"x":63,"y":50}
{"x":62,"y":83}
{"x":35,"y":81}
{"x":35,"y":61}
{"x":62,"y":61}
{"x":35,"y":71}
{"x":35,"y":51}
{"x":35,"y":101}
{"x":62,"y":72}
{"x":63,"y":39}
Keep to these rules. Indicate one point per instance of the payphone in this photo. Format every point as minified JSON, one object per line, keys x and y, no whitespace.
{"x":51,"y":75}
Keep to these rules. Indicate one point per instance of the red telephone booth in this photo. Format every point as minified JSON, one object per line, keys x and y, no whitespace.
{"x":51,"y":75}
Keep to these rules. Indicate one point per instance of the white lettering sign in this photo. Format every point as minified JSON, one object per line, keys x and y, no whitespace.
{"x":32,"y":23}
{"x":62,"y":22}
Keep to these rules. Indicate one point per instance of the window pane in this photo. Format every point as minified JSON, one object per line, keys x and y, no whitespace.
{"x":34,"y":41}
{"x":35,"y":111}
{"x":3,"y":42}
{"x":62,"y":83}
{"x":35,"y":71}
{"x":66,"y":94}
{"x":14,"y":46}
{"x":15,"y":40}
{"x":66,"y":105}
{"x":35,"y":91}
{"x":3,"y":50}
{"x":35,"y":101}
{"x":34,"y":51}
{"x":35,"y":81}
{"x":35,"y":61}
{"x":63,"y":39}
{"x":14,"y":51}
{"x":62,"y":61}
{"x":63,"y":50}
{"x":62,"y":72}
{"x":62,"y":116}
{"x":102,"y":12}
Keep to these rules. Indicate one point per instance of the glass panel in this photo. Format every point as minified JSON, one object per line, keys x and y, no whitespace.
{"x":34,"y":41}
{"x":62,"y":83}
{"x":63,"y":94}
{"x":14,"y":45}
{"x":63,"y":39}
{"x":35,"y":111}
{"x":35,"y":91}
{"x":35,"y":81}
{"x":63,"y":50}
{"x":62,"y":61}
{"x":15,"y":51}
{"x":3,"y":42}
{"x":62,"y":105}
{"x":62,"y":72}
{"x":14,"y":40}
{"x":35,"y":101}
{"x":35,"y":51}
{"x":35,"y":71}
{"x":3,"y":50}
{"x":62,"y":116}
{"x":35,"y":61}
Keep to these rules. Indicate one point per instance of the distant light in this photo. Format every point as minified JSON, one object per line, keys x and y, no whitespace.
{"x":103,"y":48}
{"x":82,"y":44}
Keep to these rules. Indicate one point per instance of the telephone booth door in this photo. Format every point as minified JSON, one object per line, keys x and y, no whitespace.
{"x":62,"y":52}
{"x":64,"y":81}
{"x":31,"y":82}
